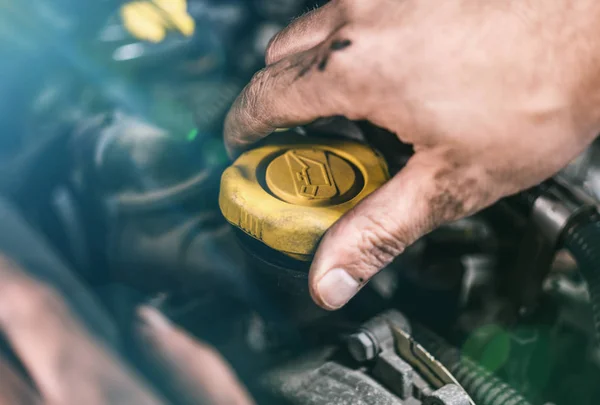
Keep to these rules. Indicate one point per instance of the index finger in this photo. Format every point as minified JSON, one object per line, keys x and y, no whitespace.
{"x":55,"y":348}
{"x":296,"y":90}
{"x":196,"y":370}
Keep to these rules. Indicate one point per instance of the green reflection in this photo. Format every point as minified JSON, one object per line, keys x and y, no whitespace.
{"x":489,"y":346}
{"x":193,"y":134}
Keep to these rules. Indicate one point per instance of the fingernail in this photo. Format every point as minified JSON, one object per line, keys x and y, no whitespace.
{"x":153,"y":318}
{"x":281,"y":129}
{"x":336,"y":288}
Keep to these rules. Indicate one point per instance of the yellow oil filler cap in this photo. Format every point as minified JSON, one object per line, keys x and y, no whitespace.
{"x":288,"y":192}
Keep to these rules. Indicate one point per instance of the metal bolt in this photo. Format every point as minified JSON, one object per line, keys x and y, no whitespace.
{"x":362,"y":347}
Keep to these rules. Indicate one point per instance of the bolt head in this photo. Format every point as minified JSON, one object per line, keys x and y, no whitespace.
{"x":361,"y":347}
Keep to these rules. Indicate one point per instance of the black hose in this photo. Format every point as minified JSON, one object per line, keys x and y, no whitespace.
{"x":483,"y":387}
{"x":583,"y":241}
{"x":580,"y":235}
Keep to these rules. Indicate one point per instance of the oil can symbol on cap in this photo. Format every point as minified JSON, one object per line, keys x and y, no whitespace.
{"x":312,"y":178}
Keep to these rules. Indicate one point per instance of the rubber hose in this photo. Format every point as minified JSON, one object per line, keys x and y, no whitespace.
{"x":483,"y":387}
{"x":583,"y":241}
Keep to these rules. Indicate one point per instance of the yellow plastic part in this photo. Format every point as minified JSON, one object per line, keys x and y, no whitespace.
{"x":287,"y":193}
{"x":151,"y":20}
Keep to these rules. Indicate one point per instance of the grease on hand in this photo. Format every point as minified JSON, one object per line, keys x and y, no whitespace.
{"x":335,"y":46}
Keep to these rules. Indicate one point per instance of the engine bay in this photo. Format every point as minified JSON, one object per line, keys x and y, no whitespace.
{"x":112,"y":152}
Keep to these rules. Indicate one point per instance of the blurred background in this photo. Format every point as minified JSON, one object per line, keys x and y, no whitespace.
{"x":110,"y":109}
{"x":111,"y":148}
{"x":111,"y":117}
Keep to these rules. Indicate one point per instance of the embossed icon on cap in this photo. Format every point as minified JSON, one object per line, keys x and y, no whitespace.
{"x":311,"y":174}
{"x":312,"y":177}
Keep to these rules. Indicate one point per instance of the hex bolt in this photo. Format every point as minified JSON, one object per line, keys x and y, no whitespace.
{"x":375,"y":335}
{"x":362,"y":347}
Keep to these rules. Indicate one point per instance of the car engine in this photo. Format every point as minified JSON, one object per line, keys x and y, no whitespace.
{"x":112,"y":150}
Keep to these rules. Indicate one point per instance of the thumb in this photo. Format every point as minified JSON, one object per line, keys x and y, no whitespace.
{"x":429,"y":191}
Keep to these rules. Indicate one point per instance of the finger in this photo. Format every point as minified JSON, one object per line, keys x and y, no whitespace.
{"x":303,"y":33}
{"x":429,"y":191}
{"x":40,"y":261}
{"x":297,"y":90}
{"x":13,"y":388}
{"x":200,"y":374}
{"x":56,"y":350}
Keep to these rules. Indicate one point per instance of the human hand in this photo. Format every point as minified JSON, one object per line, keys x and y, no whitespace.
{"x":68,"y":365}
{"x":494,"y":96}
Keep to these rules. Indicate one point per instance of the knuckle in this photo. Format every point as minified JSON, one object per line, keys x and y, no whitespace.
{"x":253,"y":94}
{"x":254,"y":88}
{"x":248,"y":109}
{"x":272,"y":51}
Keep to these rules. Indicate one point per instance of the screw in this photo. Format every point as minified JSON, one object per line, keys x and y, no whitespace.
{"x":362,"y":347}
